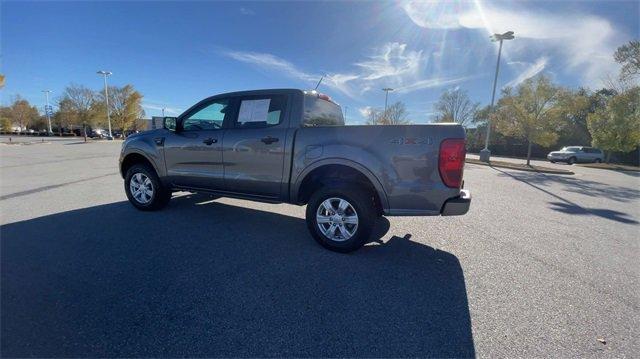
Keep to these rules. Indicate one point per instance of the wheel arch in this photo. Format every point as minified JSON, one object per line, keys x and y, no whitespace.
{"x":133,"y":158}
{"x":326,"y":170}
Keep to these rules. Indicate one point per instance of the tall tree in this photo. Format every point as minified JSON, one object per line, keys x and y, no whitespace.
{"x":125,"y":106}
{"x":66,"y":114}
{"x":396,"y":114}
{"x":81,"y":101}
{"x":576,"y":107}
{"x":455,"y":106}
{"x":531,"y":112}
{"x":22,"y":113}
{"x":373,"y":116}
{"x":629,"y":57}
{"x":616,"y":126}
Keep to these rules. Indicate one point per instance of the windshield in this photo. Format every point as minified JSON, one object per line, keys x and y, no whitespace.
{"x":319,"y":112}
{"x":570,"y":149}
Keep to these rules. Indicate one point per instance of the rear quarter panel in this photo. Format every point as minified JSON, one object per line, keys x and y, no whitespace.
{"x":402,"y":159}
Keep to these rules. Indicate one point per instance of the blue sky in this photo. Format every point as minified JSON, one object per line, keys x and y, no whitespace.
{"x":178,"y":53}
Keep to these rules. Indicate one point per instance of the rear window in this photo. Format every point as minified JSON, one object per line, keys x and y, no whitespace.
{"x":319,"y":112}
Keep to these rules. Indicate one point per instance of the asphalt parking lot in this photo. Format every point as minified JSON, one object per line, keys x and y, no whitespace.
{"x":542,"y":265}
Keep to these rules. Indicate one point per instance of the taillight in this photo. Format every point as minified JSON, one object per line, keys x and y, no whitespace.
{"x":451,"y":161}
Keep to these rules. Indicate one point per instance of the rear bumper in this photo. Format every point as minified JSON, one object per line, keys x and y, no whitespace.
{"x":457,"y":206}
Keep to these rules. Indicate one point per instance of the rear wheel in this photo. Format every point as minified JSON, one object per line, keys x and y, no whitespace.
{"x":144,"y":189}
{"x":341,"y":219}
{"x":597,"y":160}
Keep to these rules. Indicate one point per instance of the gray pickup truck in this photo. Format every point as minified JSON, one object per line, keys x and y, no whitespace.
{"x":292,"y":146}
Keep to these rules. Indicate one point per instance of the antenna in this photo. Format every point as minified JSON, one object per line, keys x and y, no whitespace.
{"x":321,"y":77}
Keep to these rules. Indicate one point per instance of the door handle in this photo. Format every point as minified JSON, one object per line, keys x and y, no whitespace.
{"x":269,"y":140}
{"x":209,"y":141}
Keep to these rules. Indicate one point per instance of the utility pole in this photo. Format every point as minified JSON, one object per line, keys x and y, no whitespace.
{"x":163,"y":112}
{"x":485,"y":154}
{"x":345,"y":113}
{"x":47,"y":110}
{"x":386,"y":97}
{"x":106,"y":98}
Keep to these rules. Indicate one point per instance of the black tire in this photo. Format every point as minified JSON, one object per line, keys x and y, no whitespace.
{"x":597,"y":160}
{"x":363,"y":204}
{"x":552,"y":161}
{"x":571,"y":160}
{"x":160,"y":196}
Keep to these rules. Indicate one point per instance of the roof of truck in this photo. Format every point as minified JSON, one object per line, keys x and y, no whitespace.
{"x":260,"y":92}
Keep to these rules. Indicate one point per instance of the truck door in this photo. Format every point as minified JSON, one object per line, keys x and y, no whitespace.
{"x":253,"y":146}
{"x":193,"y":154}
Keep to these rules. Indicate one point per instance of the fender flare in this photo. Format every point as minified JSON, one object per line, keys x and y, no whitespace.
{"x":143,"y":154}
{"x":295,"y":189}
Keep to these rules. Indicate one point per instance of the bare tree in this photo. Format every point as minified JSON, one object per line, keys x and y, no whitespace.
{"x":455,"y":106}
{"x":396,"y":114}
{"x":81,"y":102}
{"x":373,"y":116}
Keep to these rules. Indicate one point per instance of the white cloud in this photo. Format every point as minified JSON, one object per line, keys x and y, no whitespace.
{"x":365,"y":111}
{"x":158,"y":107}
{"x":435,"y":82}
{"x":392,"y":60}
{"x":583,"y":44}
{"x":272,"y":62}
{"x":530,"y":71}
{"x":391,"y":65}
{"x":247,"y":12}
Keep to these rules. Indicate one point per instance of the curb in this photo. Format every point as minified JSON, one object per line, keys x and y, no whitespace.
{"x":536,"y":170}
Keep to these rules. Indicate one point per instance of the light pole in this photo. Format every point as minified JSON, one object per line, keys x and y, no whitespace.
{"x":46,"y":110}
{"x":386,"y":96}
{"x":106,"y":98}
{"x":485,"y":154}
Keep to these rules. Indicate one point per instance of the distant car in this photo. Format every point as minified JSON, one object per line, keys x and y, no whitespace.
{"x":575,"y":154}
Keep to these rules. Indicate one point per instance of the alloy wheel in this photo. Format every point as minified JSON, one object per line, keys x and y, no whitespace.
{"x":141,"y":188}
{"x":337,"y":219}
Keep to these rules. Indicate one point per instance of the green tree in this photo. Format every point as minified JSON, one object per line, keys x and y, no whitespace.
{"x":5,"y":124}
{"x":531,"y":112}
{"x":66,"y":114}
{"x":576,"y":107}
{"x":629,"y":57}
{"x":616,"y":126}
{"x":22,"y":113}
{"x":455,"y":106}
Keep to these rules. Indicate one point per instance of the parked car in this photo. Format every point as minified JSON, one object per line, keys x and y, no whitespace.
{"x":292,"y":146}
{"x":575,"y":154}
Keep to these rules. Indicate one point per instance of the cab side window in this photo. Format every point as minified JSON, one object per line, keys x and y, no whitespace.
{"x":260,"y":111}
{"x":209,"y":117}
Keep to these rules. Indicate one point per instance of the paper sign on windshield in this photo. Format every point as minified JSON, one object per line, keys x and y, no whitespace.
{"x":254,"y":111}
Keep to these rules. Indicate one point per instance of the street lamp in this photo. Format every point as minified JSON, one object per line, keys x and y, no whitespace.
{"x":386,"y":96}
{"x":47,"y":110}
{"x":485,"y":154}
{"x":106,"y":97}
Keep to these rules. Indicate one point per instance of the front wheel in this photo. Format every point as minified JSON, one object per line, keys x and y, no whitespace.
{"x":597,"y":160}
{"x":144,"y":189}
{"x":341,"y":219}
{"x":572,"y":160}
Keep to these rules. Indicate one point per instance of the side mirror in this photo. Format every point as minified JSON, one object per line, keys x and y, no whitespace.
{"x":169,"y":123}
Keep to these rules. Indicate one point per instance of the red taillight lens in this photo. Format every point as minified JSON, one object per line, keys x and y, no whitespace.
{"x":451,"y":162}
